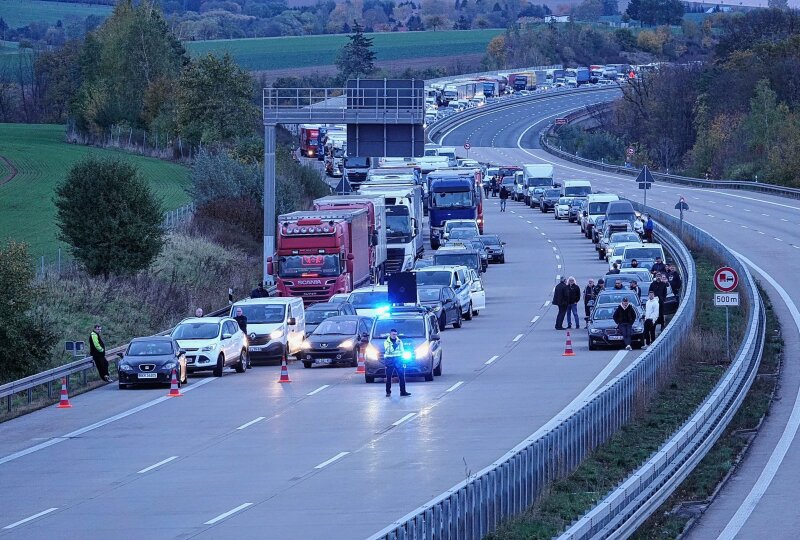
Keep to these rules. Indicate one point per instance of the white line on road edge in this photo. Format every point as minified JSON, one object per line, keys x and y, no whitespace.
{"x":406,"y":418}
{"x":228,"y":513}
{"x":550,"y":241}
{"x":250,"y":423}
{"x":31,"y":518}
{"x":519,"y":337}
{"x":338,"y":456}
{"x":536,"y":227}
{"x":318,"y":390}
{"x":559,"y":267}
{"x":554,"y":247}
{"x":558,"y":256}
{"x":492,"y":359}
{"x":546,"y":303}
{"x":789,"y":432}
{"x":535,"y":319}
{"x":159,"y":464}
{"x":455,"y":386}
{"x":101,"y":423}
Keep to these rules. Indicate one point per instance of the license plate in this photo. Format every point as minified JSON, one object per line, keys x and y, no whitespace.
{"x":614,"y":337}
{"x":323,"y":361}
{"x":148,"y":375}
{"x":256,"y":349}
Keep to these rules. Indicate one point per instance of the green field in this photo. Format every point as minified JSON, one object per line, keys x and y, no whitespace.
{"x":261,"y":54}
{"x":43,"y":158}
{"x":18,"y":13}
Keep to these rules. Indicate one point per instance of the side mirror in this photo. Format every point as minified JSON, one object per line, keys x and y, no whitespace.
{"x":502,"y":243}
{"x":270,"y":267}
{"x":292,"y":321}
{"x":448,"y":301}
{"x":436,"y":337}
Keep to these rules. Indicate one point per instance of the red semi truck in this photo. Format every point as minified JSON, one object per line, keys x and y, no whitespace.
{"x":309,"y":140}
{"x":321,"y":253}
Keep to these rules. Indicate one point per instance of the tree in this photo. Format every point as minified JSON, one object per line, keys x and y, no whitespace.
{"x":109,"y":217}
{"x":415,"y":23}
{"x":434,"y":21}
{"x":778,"y":4}
{"x":653,"y":12}
{"x":214,"y":101}
{"x":588,"y":10}
{"x":610,"y":7}
{"x":356,"y":58}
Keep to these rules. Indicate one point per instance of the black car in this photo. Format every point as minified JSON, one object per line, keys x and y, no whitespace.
{"x":603,"y":330}
{"x":549,"y":199}
{"x":597,"y":229}
{"x":574,"y":208}
{"x":317,"y":313}
{"x":538,"y":191}
{"x":337,"y":340}
{"x":150,"y":360}
{"x":421,"y":343}
{"x":494,"y":247}
{"x":443,"y":302}
{"x":478,"y":246}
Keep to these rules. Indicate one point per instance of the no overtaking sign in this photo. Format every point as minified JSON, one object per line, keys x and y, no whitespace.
{"x":726,"y":279}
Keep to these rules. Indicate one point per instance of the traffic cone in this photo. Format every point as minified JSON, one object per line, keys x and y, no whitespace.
{"x":568,"y":349}
{"x":284,"y":371}
{"x":64,"y":403}
{"x":174,"y":391}
{"x":361,"y":369}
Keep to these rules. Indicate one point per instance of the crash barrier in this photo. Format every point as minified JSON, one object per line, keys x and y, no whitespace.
{"x":623,"y":510}
{"x":47,"y":378}
{"x":476,"y":506}
{"x":760,"y":187}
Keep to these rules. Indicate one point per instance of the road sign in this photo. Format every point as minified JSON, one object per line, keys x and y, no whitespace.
{"x":645,"y":177}
{"x":728,"y":299}
{"x":645,"y":185}
{"x":630,"y":151}
{"x":726,"y":279}
{"x":681,"y":205}
{"x":561,"y":121}
{"x":467,"y":146}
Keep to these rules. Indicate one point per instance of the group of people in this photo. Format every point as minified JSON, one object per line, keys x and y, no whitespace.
{"x":495,"y":186}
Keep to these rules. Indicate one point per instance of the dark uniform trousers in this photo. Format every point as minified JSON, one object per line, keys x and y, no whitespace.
{"x":394,"y":367}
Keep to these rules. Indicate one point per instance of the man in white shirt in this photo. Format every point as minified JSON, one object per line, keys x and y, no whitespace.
{"x":650,"y":318}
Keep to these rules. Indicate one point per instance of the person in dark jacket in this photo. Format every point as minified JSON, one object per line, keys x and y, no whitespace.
{"x":634,"y":263}
{"x":97,"y":350}
{"x":648,"y":229}
{"x":658,"y":267}
{"x":618,"y":285}
{"x":659,"y":288}
{"x":241,"y":319}
{"x":625,"y":316}
{"x":560,"y":301}
{"x":573,"y":297}
{"x":614,"y":269}
{"x":259,"y":292}
{"x":674,"y":280}
{"x":634,"y":286}
{"x":494,"y":184}
{"x":589,"y":296}
{"x":503,"y":198}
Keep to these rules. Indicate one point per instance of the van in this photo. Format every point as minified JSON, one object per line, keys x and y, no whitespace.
{"x":455,"y":277}
{"x":620,"y":211}
{"x":537,"y":178}
{"x":595,"y":207}
{"x":450,"y":152}
{"x":576,"y":188}
{"x":276,"y":327}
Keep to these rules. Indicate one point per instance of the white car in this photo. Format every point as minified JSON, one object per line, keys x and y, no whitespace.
{"x":211,"y":343}
{"x":477,"y":293}
{"x":276,"y":326}
{"x":371,"y":300}
{"x":453,"y":276}
{"x":619,"y":240}
{"x":561,"y":211}
{"x":469,"y":163}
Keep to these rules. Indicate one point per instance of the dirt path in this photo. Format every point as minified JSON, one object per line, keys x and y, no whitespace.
{"x":12,"y":171}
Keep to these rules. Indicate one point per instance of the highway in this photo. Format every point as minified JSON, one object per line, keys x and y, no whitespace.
{"x":759,"y":500}
{"x":326,"y":456}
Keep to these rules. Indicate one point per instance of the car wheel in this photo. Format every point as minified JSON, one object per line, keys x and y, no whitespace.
{"x":592,"y":346}
{"x":468,"y":314}
{"x":458,"y":322}
{"x":220,"y":366}
{"x":443,"y":321}
{"x":503,"y":260}
{"x":438,"y":369}
{"x":369,"y":379}
{"x":429,"y":375}
{"x":307,"y":364}
{"x":241,"y":365}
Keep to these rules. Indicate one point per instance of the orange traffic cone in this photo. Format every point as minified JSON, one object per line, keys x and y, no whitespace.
{"x":64,"y":403}
{"x":361,"y":369}
{"x":174,"y":391}
{"x":284,"y":371}
{"x":568,"y":349}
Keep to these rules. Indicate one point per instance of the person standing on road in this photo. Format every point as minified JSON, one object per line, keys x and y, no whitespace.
{"x":241,"y":319}
{"x":650,"y":317}
{"x":503,"y":198}
{"x":589,"y":296}
{"x":648,"y":229}
{"x":659,"y":288}
{"x":486,"y":186}
{"x":97,"y":350}
{"x":635,"y":287}
{"x":393,"y":360}
{"x":658,"y":267}
{"x":674,"y":280}
{"x":560,"y":301}
{"x":259,"y":292}
{"x":625,"y":316}
{"x":493,"y":183}
{"x":573,"y":297}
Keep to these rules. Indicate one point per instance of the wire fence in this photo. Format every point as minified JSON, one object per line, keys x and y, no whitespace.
{"x":138,"y":141}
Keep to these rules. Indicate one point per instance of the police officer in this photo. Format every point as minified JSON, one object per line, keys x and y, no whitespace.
{"x":97,"y":350}
{"x":393,"y":359}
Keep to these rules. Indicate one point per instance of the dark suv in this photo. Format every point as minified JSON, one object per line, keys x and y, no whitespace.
{"x":549,"y":199}
{"x":418,"y":328}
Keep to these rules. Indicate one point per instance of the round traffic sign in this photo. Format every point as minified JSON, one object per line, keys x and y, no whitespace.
{"x":631,"y":151}
{"x":726,"y":279}
{"x":467,"y":146}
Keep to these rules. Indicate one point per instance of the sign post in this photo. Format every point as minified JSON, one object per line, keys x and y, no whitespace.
{"x":645,"y":181}
{"x":681,"y":206}
{"x":726,"y":280}
{"x":467,"y":146}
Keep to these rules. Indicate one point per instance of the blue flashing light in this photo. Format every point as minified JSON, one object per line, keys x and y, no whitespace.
{"x":380,"y":310}
{"x":406,"y":355}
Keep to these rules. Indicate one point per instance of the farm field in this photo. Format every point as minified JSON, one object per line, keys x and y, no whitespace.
{"x":264,"y":54}
{"x":18,"y":13}
{"x":42,"y":159}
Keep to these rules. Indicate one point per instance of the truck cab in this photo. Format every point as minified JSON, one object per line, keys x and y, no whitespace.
{"x":451,"y":196}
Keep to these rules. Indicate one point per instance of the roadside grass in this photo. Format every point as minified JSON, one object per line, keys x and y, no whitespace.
{"x":698,"y":370}
{"x":18,"y":13}
{"x":262,"y":54}
{"x":27,"y":212}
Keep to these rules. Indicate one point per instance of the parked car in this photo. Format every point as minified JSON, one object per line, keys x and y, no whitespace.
{"x":151,"y":360}
{"x":336,"y":340}
{"x":494,"y":247}
{"x":317,"y":313}
{"x":549,"y":199}
{"x":444,"y":303}
{"x":603,"y":330}
{"x":275,"y":326}
{"x":211,"y":344}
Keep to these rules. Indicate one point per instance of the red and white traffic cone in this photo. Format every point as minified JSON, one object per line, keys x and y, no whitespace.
{"x":361,"y":369}
{"x":174,"y":391}
{"x":568,"y":349}
{"x":64,"y":403}
{"x":284,"y":371}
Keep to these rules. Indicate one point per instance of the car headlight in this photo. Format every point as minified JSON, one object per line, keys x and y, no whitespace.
{"x":305,"y":345}
{"x":372,"y":352}
{"x":276,"y":334}
{"x":209,"y":347}
{"x":126,"y":368}
{"x":437,"y":308}
{"x":421,"y":350}
{"x":169,"y":366}
{"x":347,"y":344}
{"x":595,"y":331}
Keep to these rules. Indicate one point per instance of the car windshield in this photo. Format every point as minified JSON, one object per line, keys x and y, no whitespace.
{"x":540,"y":182}
{"x":490,"y":240}
{"x":615,"y":297}
{"x":564,"y":201}
{"x":552,"y":193}
{"x":598,"y":207}
{"x":452,"y":199}
{"x":398,"y":224}
{"x":429,"y":294}
{"x":150,"y":348}
{"x":434,"y":277}
{"x":508,"y":181}
{"x":309,"y":266}
{"x":261,"y":313}
{"x":450,"y":225}
{"x":330,"y":328}
{"x":469,"y":260}
{"x":624,"y":237}
{"x":462,"y":233}
{"x":578,"y":191}
{"x":369,"y":299}
{"x":412,"y":328}
{"x":197,"y":330}
{"x":603,"y":312}
{"x":642,"y":253}
{"x":360,"y":162}
{"x":316,"y":316}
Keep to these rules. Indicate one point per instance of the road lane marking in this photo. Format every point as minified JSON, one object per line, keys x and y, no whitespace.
{"x":519,"y":337}
{"x":250,"y":423}
{"x":337,"y":457}
{"x":529,"y":222}
{"x":778,"y":239}
{"x":156,"y":465}
{"x":228,"y":513}
{"x":543,"y":234}
{"x":546,"y":303}
{"x":559,"y":267}
{"x":455,"y":386}
{"x":536,"y":227}
{"x":535,"y":319}
{"x":490,"y":360}
{"x":726,"y":220}
{"x":406,"y":418}
{"x":558,"y":256}
{"x":318,"y":390}
{"x":762,"y":232}
{"x":31,"y":518}
{"x":101,"y":423}
{"x":785,"y":220}
{"x":765,"y":215}
{"x":554,"y":247}
{"x":550,"y":241}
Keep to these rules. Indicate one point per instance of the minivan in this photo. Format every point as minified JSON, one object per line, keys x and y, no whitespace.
{"x":276,"y":327}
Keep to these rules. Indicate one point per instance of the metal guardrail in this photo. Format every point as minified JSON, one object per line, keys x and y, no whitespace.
{"x":621,"y":512}
{"x":28,"y":384}
{"x":477,"y":505}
